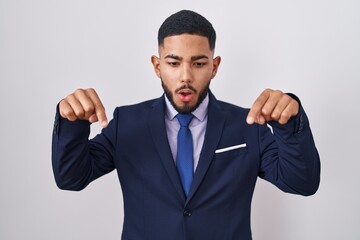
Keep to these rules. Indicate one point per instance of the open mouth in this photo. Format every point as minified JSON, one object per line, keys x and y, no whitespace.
{"x":185,"y":95}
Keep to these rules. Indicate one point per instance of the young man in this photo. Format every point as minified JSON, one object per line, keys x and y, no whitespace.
{"x":194,"y":180}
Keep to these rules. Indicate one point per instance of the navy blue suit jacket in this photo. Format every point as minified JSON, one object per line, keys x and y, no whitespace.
{"x":218,"y":206}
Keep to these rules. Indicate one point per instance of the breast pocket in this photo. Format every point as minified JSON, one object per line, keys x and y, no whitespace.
{"x":230,"y":152}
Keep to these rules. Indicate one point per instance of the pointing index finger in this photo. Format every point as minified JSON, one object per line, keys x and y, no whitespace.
{"x":254,"y":115}
{"x":99,"y":108}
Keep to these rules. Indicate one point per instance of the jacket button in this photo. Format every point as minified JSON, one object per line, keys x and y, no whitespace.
{"x":187,"y":213}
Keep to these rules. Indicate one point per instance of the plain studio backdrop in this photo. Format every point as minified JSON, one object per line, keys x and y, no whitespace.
{"x":49,"y":48}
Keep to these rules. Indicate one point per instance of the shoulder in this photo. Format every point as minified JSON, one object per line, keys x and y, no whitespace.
{"x":228,"y":109}
{"x":234,"y":115}
{"x":139,"y":108}
{"x":138,"y":114}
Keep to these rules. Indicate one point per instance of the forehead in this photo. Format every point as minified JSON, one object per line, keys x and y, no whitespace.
{"x":185,"y":44}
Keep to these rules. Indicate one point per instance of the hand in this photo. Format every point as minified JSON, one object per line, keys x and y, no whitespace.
{"x":84,"y":105}
{"x":272,"y":105}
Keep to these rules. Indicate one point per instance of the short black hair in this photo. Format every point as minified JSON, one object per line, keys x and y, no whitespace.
{"x":186,"y":21}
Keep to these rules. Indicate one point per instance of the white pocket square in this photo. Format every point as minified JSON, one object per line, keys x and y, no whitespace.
{"x":230,"y":148}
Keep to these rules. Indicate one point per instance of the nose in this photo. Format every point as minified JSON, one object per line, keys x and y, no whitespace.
{"x":186,"y":74}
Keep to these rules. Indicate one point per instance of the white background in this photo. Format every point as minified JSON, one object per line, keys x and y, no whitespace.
{"x":49,"y":48}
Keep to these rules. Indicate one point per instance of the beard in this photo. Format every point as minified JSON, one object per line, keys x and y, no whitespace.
{"x":187,"y":108}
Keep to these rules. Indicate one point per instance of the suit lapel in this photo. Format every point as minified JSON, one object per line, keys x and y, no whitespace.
{"x":214,"y":128}
{"x":157,"y":127}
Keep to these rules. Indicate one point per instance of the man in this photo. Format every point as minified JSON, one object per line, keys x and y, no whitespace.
{"x":193,"y":181}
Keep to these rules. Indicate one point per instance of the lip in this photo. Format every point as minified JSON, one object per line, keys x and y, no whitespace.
{"x":185,"y":95}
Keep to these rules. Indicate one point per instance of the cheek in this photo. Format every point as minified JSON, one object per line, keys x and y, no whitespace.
{"x":204,"y":78}
{"x":210,"y":73}
{"x":169,"y":82}
{"x":170,"y":79}
{"x":169,"y":73}
{"x":205,"y":73}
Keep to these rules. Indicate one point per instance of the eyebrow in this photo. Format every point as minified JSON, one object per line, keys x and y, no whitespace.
{"x":194,"y":58}
{"x":172,"y":56}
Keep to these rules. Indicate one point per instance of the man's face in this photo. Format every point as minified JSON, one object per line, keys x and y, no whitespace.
{"x":185,"y":66}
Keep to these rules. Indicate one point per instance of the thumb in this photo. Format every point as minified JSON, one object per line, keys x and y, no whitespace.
{"x":93,"y":118}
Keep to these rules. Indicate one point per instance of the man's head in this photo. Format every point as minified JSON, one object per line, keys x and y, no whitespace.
{"x":186,"y":62}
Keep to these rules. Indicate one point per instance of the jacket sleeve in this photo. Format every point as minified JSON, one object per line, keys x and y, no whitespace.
{"x":76,"y":160}
{"x":289,"y":158}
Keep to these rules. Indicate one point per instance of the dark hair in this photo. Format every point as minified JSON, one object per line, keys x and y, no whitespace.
{"x":189,"y":22}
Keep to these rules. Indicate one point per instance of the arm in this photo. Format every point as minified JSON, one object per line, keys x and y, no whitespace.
{"x":77,"y":160}
{"x":289,"y":158}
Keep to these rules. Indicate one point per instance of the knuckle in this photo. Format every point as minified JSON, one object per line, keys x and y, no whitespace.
{"x":78,"y":91}
{"x":63,"y":103}
{"x":68,"y":113}
{"x":282,"y":121}
{"x":267,"y":90}
{"x":88,"y":110}
{"x":69,"y":97}
{"x":79,"y":113}
{"x":285,"y":115}
{"x":275,"y":116}
{"x":279,"y":93}
{"x":90,"y":90}
{"x":261,"y":99}
{"x":265,"y":111}
{"x":295,"y":106}
{"x":286,"y":97}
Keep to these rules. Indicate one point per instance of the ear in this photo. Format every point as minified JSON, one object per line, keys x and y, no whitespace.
{"x":156,"y":64}
{"x":216,"y":64}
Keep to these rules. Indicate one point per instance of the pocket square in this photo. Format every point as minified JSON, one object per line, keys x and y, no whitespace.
{"x":230,"y":148}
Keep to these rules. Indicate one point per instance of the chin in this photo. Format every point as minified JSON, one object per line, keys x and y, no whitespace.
{"x":185,"y":108}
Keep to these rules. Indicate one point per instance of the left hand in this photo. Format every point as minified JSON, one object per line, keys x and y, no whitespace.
{"x":272,"y":105}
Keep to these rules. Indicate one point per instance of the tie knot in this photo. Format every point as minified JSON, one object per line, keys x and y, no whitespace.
{"x":184,"y":119}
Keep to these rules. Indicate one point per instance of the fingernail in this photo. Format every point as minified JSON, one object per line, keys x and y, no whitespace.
{"x":250,"y":120}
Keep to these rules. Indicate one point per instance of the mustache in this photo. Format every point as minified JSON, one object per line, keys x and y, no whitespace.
{"x":186,"y":86}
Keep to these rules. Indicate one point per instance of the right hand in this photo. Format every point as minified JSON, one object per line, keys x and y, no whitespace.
{"x":83,"y":104}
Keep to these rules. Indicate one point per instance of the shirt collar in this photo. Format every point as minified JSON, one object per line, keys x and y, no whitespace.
{"x":200,"y":112}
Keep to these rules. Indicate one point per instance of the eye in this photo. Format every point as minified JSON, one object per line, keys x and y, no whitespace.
{"x":200,"y":64}
{"x":173,"y":64}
